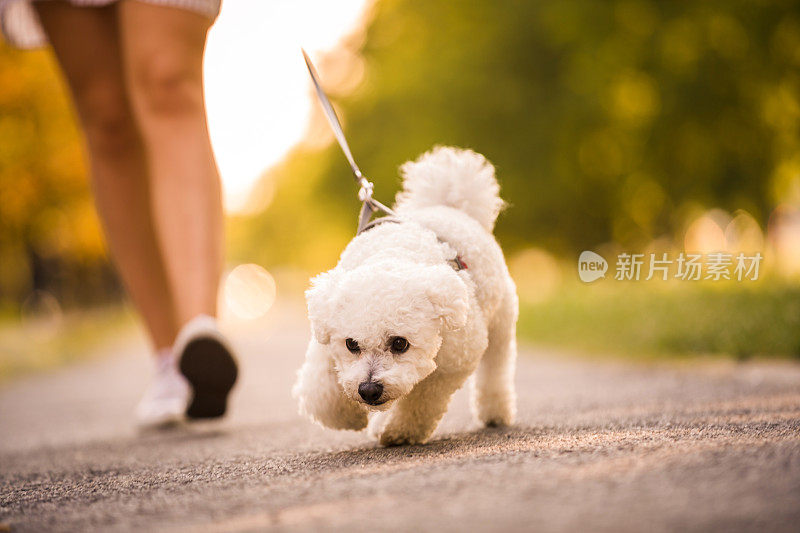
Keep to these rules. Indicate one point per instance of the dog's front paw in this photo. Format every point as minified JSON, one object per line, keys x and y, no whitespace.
{"x":377,"y":424}
{"x":394,"y":436}
{"x":389,"y":438}
{"x":498,"y":422}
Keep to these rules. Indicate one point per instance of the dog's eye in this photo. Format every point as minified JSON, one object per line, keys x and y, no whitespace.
{"x":398,"y":344}
{"x":352,"y":345}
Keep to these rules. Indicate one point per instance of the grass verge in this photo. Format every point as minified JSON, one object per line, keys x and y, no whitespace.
{"x":43,"y":343}
{"x":649,"y":320}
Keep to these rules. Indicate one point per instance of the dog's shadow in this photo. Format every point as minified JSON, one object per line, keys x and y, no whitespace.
{"x":447,"y":448}
{"x":179,"y":432}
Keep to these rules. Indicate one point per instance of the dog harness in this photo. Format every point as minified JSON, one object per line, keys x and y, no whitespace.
{"x":456,"y":262}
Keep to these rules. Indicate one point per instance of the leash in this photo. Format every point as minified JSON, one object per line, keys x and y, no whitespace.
{"x":369,"y":205}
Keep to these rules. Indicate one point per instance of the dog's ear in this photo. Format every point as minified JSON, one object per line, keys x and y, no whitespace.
{"x":320,"y":307}
{"x":449,"y":296}
{"x":320,"y":395}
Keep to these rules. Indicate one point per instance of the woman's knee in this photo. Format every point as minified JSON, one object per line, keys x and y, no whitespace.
{"x":106,"y":117}
{"x":167,"y":85}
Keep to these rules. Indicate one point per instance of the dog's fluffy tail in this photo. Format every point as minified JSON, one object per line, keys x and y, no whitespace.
{"x":454,"y":177}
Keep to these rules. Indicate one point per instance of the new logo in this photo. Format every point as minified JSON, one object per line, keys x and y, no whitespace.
{"x":591,"y":266}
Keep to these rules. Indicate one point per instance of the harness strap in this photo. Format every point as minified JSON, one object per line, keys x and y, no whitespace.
{"x":456,"y":262}
{"x":363,"y":218}
{"x":369,"y":205}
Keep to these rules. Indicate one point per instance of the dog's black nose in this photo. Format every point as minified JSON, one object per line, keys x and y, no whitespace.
{"x":370,"y":391}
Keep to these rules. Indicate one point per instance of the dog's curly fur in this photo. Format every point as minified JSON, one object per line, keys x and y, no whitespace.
{"x":395,"y":280}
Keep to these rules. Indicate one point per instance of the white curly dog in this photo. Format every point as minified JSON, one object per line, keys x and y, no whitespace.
{"x":414,"y":308}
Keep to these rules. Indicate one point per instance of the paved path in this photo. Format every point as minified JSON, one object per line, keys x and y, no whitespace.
{"x":599,"y":446}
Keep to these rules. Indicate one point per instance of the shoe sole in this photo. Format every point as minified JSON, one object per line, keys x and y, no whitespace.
{"x":211,"y":371}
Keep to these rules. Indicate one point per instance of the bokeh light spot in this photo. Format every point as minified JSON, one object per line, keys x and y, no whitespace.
{"x":705,"y":235}
{"x":249,"y":291}
{"x":743,"y":234}
{"x":536,"y":273}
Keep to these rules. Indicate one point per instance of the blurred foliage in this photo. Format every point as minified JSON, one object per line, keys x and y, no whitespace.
{"x":678,"y":319}
{"x":50,"y":238}
{"x":47,"y":341}
{"x":607,"y":121}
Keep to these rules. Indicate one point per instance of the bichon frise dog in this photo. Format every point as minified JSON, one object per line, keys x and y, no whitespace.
{"x":415,"y":306}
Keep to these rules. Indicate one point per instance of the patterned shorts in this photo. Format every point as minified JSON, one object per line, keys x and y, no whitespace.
{"x":21,"y":28}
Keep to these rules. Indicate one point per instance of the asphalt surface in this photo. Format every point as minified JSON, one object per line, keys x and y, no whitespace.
{"x":599,"y":446}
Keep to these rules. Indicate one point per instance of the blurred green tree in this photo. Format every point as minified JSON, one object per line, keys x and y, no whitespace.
{"x":50,"y":238}
{"x":605,"y":120}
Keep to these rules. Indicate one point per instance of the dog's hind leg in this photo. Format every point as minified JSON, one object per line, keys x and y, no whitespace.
{"x":415,"y":417}
{"x":493,"y":396}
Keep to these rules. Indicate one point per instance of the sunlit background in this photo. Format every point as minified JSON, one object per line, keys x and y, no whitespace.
{"x":257,"y":91}
{"x":627,"y":126}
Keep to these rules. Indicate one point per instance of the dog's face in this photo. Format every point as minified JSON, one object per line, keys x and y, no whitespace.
{"x":382,"y":325}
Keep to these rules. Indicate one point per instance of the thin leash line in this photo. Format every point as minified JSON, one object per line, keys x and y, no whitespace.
{"x":333,"y":119}
{"x":369,"y":204}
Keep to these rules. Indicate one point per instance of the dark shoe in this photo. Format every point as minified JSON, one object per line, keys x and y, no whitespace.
{"x":206,"y":360}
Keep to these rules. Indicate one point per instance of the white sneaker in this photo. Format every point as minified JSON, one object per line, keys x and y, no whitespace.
{"x":165,"y":400}
{"x":205,"y":358}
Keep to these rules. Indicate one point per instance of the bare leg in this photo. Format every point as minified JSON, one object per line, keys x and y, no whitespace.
{"x":86,"y":43}
{"x":163,"y":54}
